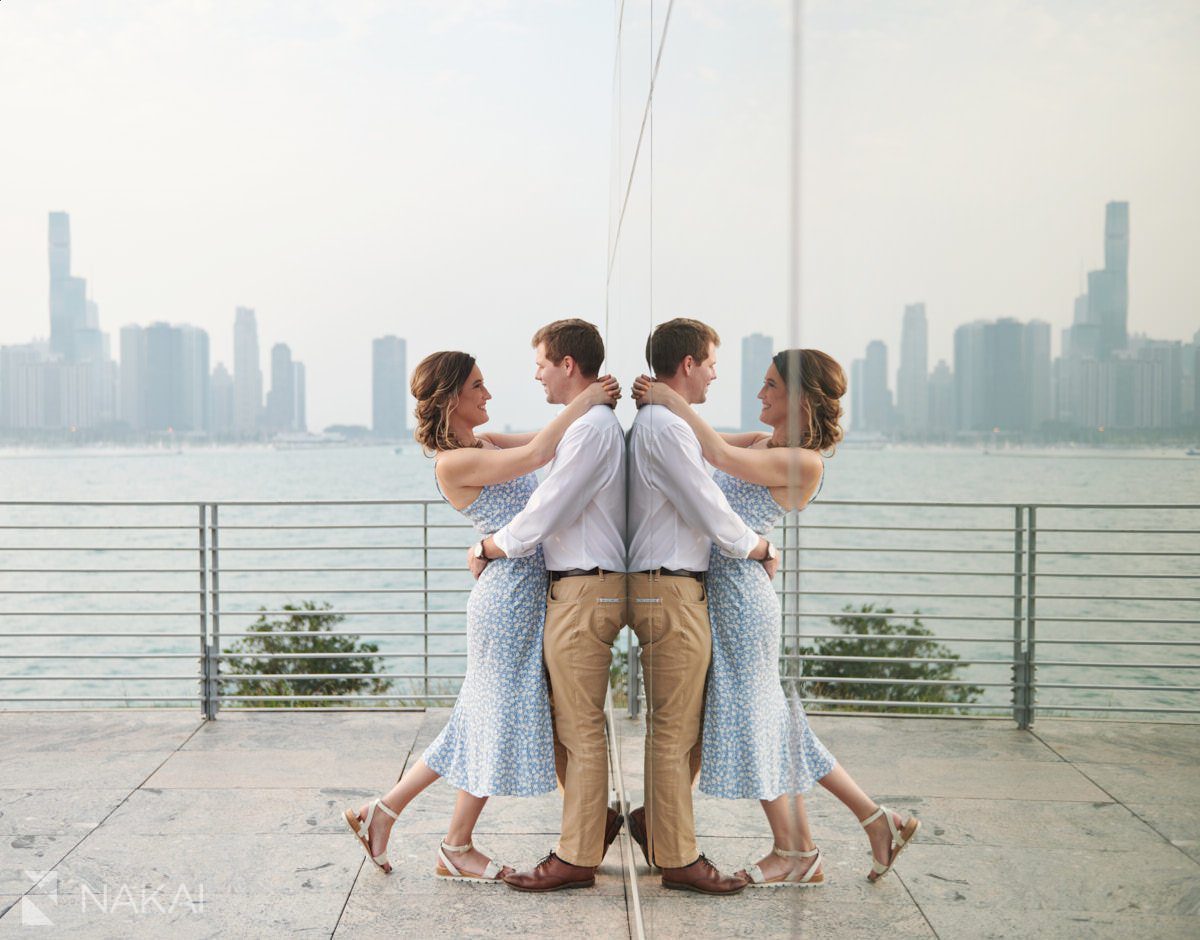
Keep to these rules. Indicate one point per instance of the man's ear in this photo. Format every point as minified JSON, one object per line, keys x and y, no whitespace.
{"x":687,"y":365}
{"x":569,"y":365}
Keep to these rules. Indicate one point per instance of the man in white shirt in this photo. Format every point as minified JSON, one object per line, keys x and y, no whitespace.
{"x":577,"y":515}
{"x":676,"y":514}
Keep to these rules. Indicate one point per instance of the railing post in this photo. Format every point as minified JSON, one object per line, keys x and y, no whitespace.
{"x":205,"y":708}
{"x":1031,"y":619}
{"x":633,"y":701}
{"x":1020,"y":679}
{"x":425,"y":590}
{"x":214,"y":646}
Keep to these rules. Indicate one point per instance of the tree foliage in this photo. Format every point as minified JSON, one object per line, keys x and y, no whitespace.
{"x":305,"y":631}
{"x":877,"y":645}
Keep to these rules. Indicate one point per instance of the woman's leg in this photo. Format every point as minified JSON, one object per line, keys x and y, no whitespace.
{"x":788,"y":819}
{"x":462,"y":827}
{"x":842,"y":785}
{"x":414,"y":780}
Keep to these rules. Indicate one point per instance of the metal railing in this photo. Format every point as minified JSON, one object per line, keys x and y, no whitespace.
{"x":926,"y":607}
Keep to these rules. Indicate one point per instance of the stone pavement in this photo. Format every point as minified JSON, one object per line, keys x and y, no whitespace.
{"x":152,"y":823}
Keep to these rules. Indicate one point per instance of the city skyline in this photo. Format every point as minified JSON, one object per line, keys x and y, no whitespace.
{"x":460,"y":191}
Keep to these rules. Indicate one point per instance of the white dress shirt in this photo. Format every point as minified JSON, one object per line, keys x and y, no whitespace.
{"x":577,"y":513}
{"x":676,"y":510}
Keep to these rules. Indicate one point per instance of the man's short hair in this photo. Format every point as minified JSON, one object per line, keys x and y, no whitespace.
{"x":675,"y":340}
{"x":575,"y":338}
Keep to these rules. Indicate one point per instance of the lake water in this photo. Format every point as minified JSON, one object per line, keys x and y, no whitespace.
{"x":952,"y":565}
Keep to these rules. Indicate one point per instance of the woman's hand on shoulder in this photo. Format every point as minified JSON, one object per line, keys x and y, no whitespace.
{"x":606,"y":390}
{"x":647,"y":391}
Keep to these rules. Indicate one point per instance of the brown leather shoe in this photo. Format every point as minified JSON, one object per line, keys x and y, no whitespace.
{"x":637,"y":829}
{"x":702,"y":876}
{"x":612,"y":827}
{"x":551,"y":874}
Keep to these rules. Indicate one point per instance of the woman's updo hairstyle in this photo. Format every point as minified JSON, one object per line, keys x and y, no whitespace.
{"x":435,"y":385}
{"x":822,"y":382}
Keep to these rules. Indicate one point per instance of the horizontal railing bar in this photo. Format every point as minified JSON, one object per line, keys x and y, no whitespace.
{"x":1122,"y":553}
{"x":1076,"y":641}
{"x":191,"y":571}
{"x":100,"y":656}
{"x":875,"y":615}
{"x":106,"y":528}
{"x":852,"y":680}
{"x":404,"y":696}
{"x":32,"y":678}
{"x":433,"y":501}
{"x":1007,"y":530}
{"x":817,"y":658}
{"x":315,"y":526}
{"x":1120,"y":688}
{"x":906,"y":572}
{"x":414,"y":569}
{"x":912,"y":551}
{"x":273,"y":677}
{"x":1007,"y":596}
{"x":379,"y":655}
{"x":1111,"y":574}
{"x":1042,"y":530}
{"x":224,"y":613}
{"x":999,"y":505}
{"x":321,"y":590}
{"x":232,"y":548}
{"x":1043,"y":707}
{"x":886,"y":703}
{"x":225,"y":634}
{"x":904,"y":637}
{"x":1127,"y":620}
{"x":102,"y":698}
{"x":1047,"y":663}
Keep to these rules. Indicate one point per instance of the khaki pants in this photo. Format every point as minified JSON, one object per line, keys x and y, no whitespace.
{"x":583,"y":617}
{"x":670,"y":616}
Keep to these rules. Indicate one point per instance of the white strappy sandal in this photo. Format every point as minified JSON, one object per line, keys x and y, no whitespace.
{"x":900,"y":838}
{"x":447,"y":869}
{"x":362,"y":829}
{"x":810,"y":879}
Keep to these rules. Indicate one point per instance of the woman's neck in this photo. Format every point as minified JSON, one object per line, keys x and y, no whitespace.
{"x":464,"y":434}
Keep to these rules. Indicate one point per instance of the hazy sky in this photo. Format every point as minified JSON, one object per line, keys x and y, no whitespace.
{"x":444,"y":170}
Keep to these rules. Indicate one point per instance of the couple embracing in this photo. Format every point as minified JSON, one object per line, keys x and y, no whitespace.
{"x":560,"y":572}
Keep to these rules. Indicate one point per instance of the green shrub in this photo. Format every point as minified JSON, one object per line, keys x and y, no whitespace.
{"x":306,"y":630}
{"x":886,"y":640}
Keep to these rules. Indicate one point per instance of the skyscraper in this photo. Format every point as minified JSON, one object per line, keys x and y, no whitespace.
{"x":68,"y":295}
{"x":389,"y":375}
{"x":969,"y":388}
{"x":1038,"y":376}
{"x":912,"y":379}
{"x":877,"y":397}
{"x":220,"y":407}
{"x":281,"y":399}
{"x":247,"y":373}
{"x":194,"y":379}
{"x":941,"y":399}
{"x":132,"y":408}
{"x":757,"y":350}
{"x":300,"y":408}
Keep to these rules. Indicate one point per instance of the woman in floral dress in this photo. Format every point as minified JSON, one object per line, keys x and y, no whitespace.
{"x":498,"y":740}
{"x":757,"y":743}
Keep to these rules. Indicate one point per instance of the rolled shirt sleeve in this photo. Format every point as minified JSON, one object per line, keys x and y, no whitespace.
{"x":677,"y":467}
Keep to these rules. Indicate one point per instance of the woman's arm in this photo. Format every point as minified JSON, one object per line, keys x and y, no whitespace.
{"x":507,"y":440}
{"x":743,"y":438}
{"x":781,"y":466}
{"x":473,"y":466}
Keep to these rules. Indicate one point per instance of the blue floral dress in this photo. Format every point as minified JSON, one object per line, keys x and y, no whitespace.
{"x":498,"y":741}
{"x":757,"y":744}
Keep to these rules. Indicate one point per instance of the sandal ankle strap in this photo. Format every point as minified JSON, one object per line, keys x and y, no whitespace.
{"x":387,"y":809}
{"x":788,"y":853}
{"x":457,"y":848}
